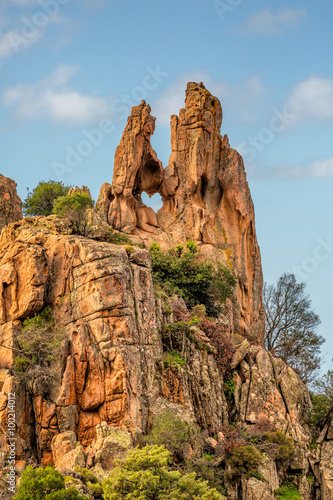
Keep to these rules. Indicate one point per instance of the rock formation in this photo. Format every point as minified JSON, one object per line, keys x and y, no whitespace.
{"x":204,"y":190}
{"x":111,"y":378}
{"x":110,"y":375}
{"x":136,"y":169}
{"x":10,"y":203}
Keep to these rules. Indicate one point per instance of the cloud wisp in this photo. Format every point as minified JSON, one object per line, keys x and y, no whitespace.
{"x":312,"y":99}
{"x":269,"y":23}
{"x":24,"y":31}
{"x":50,"y":99}
{"x":317,"y":169}
{"x":241,"y":99}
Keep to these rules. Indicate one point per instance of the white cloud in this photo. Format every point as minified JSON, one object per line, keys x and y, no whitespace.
{"x":318,"y":169}
{"x":312,"y":99}
{"x":48,"y":99}
{"x":270,"y":23}
{"x":17,"y":32}
{"x":243,"y":101}
{"x":12,"y":42}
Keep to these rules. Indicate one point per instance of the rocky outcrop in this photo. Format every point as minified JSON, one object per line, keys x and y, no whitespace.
{"x":113,"y":374}
{"x":136,"y":169}
{"x":105,"y":303}
{"x":205,"y":196}
{"x":10,"y":203}
{"x":113,"y":370}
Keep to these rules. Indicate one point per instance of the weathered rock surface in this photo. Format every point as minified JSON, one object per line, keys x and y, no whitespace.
{"x":10,"y":203}
{"x":205,"y":196}
{"x":136,"y":169}
{"x":109,"y":372}
{"x":112,"y":374}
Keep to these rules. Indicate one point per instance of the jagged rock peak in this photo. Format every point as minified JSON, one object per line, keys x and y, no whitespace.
{"x":205,"y":194}
{"x":136,"y":169}
{"x":10,"y":202}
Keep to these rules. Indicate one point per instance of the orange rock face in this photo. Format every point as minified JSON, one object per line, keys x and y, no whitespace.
{"x":205,"y":196}
{"x":10,"y":203}
{"x":104,"y":302}
{"x":136,"y":169}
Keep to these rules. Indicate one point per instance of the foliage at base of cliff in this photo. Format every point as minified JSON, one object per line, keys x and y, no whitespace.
{"x":146,"y":473}
{"x":45,"y":484}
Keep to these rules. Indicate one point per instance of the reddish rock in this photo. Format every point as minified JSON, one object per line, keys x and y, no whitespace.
{"x":136,"y":169}
{"x":10,"y":203}
{"x":205,"y":196}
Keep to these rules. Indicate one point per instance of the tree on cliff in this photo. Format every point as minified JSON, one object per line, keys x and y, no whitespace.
{"x":322,"y":401}
{"x":291,"y":326}
{"x":38,"y":349}
{"x":74,"y":207}
{"x":40,"y":201}
{"x":145,"y":474}
{"x":180,"y":271}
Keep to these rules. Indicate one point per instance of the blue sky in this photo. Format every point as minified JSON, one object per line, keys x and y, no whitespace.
{"x":70,"y":70}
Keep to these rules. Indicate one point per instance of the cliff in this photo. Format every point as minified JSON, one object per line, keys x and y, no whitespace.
{"x":206,"y":197}
{"x":113,"y":368}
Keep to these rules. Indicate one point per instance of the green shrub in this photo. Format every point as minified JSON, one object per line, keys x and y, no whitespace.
{"x":118,"y":238}
{"x":39,"y":344}
{"x":70,"y":494}
{"x":173,"y":433}
{"x":285,"y":450}
{"x":174,"y":335}
{"x":181,"y":272}
{"x":207,"y":470}
{"x":130,"y":249}
{"x":199,"y":310}
{"x":87,"y":475}
{"x":258,"y":476}
{"x":74,"y":207}
{"x":287,"y":491}
{"x":244,"y":460}
{"x":229,"y":387}
{"x":96,"y":489}
{"x":172,"y":359}
{"x":91,"y":481}
{"x":145,"y":475}
{"x":321,"y":405}
{"x":41,"y":200}
{"x":44,"y":484}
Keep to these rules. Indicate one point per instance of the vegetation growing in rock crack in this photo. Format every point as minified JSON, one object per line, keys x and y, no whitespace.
{"x":291,"y":326}
{"x":40,"y":201}
{"x":118,"y":238}
{"x":322,"y":402}
{"x":75,"y":207}
{"x":39,"y":345}
{"x":91,"y":481}
{"x":243,"y":461}
{"x":287,"y":491}
{"x":180,"y":271}
{"x":174,"y":433}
